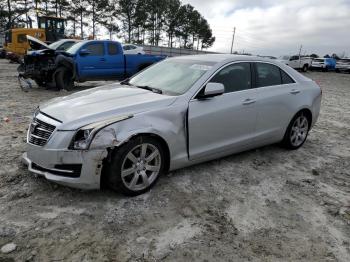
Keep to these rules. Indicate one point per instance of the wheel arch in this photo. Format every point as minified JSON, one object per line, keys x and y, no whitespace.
{"x":110,"y":150}
{"x":308,"y":114}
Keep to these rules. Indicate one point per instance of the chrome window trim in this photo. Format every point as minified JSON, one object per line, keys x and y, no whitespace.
{"x":193,"y":98}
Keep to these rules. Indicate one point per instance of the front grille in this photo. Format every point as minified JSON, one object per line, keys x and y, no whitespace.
{"x":40,"y":132}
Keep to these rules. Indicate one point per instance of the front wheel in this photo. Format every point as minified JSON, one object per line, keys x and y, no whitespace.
{"x":297,"y":132}
{"x":136,"y":166}
{"x":64,"y":79}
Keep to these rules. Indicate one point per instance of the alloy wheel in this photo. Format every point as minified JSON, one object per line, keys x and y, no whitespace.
{"x":299,"y":131}
{"x":141,"y":166}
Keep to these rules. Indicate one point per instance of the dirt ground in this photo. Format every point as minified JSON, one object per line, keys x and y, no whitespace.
{"x":268,"y":204}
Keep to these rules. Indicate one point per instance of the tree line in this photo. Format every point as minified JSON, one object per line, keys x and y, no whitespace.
{"x":151,"y":22}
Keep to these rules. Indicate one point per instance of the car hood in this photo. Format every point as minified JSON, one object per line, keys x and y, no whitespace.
{"x":36,"y":44}
{"x":101,"y":103}
{"x":282,"y":61}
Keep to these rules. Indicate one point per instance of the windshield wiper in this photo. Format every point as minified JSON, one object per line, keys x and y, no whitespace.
{"x":125,"y":82}
{"x":154,"y":90}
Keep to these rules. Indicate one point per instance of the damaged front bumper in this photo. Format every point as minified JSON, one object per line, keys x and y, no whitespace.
{"x":78,"y":169}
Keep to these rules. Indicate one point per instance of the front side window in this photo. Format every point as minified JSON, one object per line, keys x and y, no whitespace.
{"x":267,"y":75}
{"x":234,"y":77}
{"x":96,"y":49}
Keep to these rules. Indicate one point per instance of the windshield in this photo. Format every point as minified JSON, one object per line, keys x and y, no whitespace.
{"x":173,"y":76}
{"x":56,"y":44}
{"x":285,"y":57}
{"x":74,"y":48}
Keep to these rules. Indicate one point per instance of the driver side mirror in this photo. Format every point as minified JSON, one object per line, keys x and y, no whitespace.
{"x":84,"y":52}
{"x":212,"y":89}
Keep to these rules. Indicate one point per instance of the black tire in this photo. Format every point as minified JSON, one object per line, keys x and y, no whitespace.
{"x":64,"y":79}
{"x":288,"y":136}
{"x":119,"y":158}
{"x":305,"y":68}
{"x":40,"y":82}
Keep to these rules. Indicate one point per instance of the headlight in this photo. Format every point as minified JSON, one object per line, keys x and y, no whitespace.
{"x":84,"y":136}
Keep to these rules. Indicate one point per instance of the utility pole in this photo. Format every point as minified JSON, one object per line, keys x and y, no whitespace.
{"x":301,"y":47}
{"x":233,"y":38}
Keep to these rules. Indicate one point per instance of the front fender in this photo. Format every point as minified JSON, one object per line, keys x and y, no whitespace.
{"x":65,"y":61}
{"x":169,"y":125}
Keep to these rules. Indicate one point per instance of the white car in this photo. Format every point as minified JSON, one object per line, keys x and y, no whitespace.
{"x":176,"y":113}
{"x":296,"y":62}
{"x":133,"y":49}
{"x":343,"y":65}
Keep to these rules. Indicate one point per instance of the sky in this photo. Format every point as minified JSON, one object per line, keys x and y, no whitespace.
{"x":278,"y":27}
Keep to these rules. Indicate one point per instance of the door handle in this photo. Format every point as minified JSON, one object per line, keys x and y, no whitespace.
{"x":248,"y":101}
{"x":295,"y":91}
{"x":103,"y":59}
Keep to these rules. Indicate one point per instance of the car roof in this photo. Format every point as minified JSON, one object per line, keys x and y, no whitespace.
{"x":221,"y":59}
{"x":217,"y":58}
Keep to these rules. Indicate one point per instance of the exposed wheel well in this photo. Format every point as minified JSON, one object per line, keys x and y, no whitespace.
{"x":107,"y":160}
{"x":307,"y":113}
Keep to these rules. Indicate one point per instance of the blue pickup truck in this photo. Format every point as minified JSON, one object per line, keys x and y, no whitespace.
{"x":86,"y":60}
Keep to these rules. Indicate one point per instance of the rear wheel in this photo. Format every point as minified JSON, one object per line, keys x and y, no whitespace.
{"x":297,"y":131}
{"x":136,"y":166}
{"x":64,"y":79}
{"x":305,"y":68}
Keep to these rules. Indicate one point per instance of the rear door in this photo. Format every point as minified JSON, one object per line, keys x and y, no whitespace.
{"x":225,"y":122}
{"x":278,"y":95}
{"x":92,"y":65}
{"x":114,"y":61}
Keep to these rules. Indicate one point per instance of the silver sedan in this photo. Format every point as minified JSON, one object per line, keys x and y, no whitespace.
{"x":176,"y":113}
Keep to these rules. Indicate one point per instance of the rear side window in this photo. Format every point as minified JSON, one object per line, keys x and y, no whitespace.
{"x":112,"y":49}
{"x":96,"y":49}
{"x":286,"y":79}
{"x":267,"y":75}
{"x":234,"y":77}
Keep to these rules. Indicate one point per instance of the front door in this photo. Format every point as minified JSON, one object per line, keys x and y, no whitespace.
{"x":225,"y":122}
{"x":92,"y":65}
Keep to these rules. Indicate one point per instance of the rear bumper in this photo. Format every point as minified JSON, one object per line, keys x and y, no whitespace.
{"x":78,"y":169}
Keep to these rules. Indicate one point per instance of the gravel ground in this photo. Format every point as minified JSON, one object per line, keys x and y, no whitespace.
{"x":268,"y":204}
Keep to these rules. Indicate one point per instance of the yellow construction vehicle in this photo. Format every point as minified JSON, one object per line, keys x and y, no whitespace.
{"x":50,"y":29}
{"x":16,"y":39}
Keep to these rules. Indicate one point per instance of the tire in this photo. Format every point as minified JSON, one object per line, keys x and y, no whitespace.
{"x":64,"y":79}
{"x":305,"y":68}
{"x":141,"y":170}
{"x":297,"y":131}
{"x":40,"y":83}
